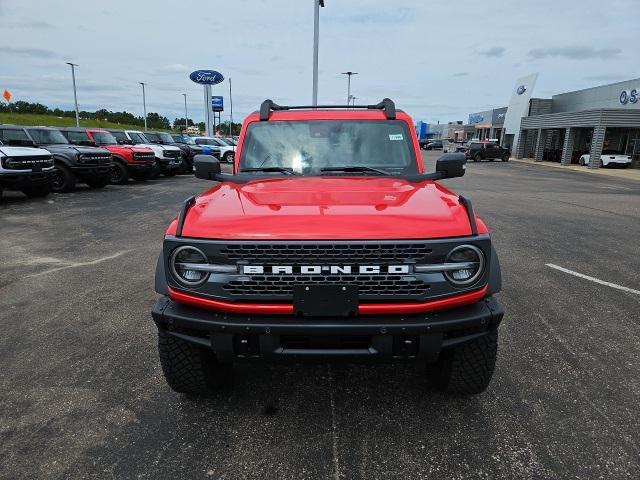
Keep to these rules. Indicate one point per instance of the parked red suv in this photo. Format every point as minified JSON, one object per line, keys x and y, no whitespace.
{"x":128,"y":161}
{"x":328,"y":242}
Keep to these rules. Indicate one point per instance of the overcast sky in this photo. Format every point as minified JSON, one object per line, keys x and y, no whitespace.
{"x":439,"y":60}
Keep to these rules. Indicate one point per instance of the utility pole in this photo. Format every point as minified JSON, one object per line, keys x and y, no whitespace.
{"x":348,"y":74}
{"x":75,"y":95}
{"x":186,"y":114}
{"x":231,"y":110}
{"x":316,"y":39}
{"x":144,"y":105}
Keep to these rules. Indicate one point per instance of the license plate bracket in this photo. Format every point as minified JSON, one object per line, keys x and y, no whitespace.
{"x":325,"y":300}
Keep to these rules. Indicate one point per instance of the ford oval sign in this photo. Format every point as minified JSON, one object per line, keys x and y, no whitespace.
{"x":521,"y":89}
{"x":206,"y":77}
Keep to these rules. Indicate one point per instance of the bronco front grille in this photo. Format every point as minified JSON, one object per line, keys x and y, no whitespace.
{"x":282,"y":286}
{"x":323,"y":253}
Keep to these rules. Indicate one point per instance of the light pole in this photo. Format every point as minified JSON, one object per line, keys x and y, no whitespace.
{"x":348,"y":74}
{"x":353,"y":100}
{"x":75,"y":95}
{"x":231,"y":108}
{"x":186,"y":114}
{"x":144,"y":105}
{"x":316,"y":38}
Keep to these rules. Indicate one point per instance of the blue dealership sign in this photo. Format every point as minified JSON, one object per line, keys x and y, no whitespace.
{"x":217,"y":103}
{"x":206,"y":77}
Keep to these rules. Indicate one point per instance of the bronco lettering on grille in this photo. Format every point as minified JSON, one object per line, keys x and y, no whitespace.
{"x":320,"y":269}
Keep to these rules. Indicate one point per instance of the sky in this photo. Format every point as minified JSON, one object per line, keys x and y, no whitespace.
{"x":438,"y":60}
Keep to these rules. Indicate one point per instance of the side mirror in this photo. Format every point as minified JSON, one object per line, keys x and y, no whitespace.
{"x":206,"y":167}
{"x":451,"y":165}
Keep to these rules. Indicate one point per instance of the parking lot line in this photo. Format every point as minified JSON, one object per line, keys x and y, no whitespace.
{"x":593,"y":279}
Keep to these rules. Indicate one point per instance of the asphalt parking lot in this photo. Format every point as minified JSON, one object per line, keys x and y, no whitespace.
{"x":82,"y":394}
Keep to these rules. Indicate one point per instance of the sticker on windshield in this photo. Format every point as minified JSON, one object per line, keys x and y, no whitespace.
{"x":397,"y":136}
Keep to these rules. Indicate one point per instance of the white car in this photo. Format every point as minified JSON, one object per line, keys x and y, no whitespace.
{"x":227,"y":152}
{"x":26,"y":169}
{"x":609,"y":158}
{"x":168,"y":157}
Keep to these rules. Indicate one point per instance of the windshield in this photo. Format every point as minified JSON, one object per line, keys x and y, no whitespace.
{"x":104,"y":138}
{"x":210,"y":141}
{"x":184,"y":139}
{"x":165,"y":137}
{"x":138,"y":138}
{"x":120,"y":136}
{"x":152,"y":137}
{"x":47,"y":137}
{"x":225,"y":141}
{"x":309,"y":146}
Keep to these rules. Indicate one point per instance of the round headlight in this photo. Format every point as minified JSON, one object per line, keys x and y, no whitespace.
{"x":180,"y":261}
{"x":472,"y":262}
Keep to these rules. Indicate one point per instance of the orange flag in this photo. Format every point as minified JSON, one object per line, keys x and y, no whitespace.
{"x":6,"y":95}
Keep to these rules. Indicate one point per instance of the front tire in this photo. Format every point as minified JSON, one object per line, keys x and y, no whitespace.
{"x":189,"y":369}
{"x":62,"y":179}
{"x":228,"y":157}
{"x":468,"y":368}
{"x":155,"y":171}
{"x":119,"y":173}
{"x":99,"y":182}
{"x":477,"y":158}
{"x":505,"y":157}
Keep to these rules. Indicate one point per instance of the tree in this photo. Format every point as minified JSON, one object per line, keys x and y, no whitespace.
{"x":178,"y":123}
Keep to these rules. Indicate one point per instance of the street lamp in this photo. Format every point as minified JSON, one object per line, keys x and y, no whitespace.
{"x":348,"y":74}
{"x":186,"y":115}
{"x":316,"y":38}
{"x":144,"y":105}
{"x":75,"y":95}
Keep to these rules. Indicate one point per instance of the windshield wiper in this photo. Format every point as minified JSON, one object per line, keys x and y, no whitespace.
{"x":354,"y":168}
{"x":285,"y":170}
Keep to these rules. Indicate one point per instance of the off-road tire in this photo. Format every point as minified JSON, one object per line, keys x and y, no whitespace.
{"x":141,"y":177}
{"x":189,"y":369}
{"x":156,"y":171}
{"x":63,"y":180}
{"x":477,"y":157}
{"x":39,"y":191}
{"x":119,"y":174}
{"x":227,"y":156}
{"x":171,"y":173}
{"x":468,"y":368}
{"x":99,"y":182}
{"x":505,"y":157}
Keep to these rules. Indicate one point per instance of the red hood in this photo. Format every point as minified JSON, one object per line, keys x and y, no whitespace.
{"x":327,"y":208}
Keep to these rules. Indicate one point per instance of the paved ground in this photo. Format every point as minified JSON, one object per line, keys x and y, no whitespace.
{"x":82,"y":394}
{"x":623,"y":173}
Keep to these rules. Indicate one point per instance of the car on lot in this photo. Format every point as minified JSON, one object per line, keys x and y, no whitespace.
{"x":328,"y":242}
{"x":168,"y":157}
{"x":609,"y":158}
{"x":128,"y":161}
{"x":185,"y":141}
{"x":73,"y":163}
{"x":188,"y":150}
{"x":434,"y":145}
{"x":25,"y":169}
{"x":225,"y":151}
{"x":478,"y":151}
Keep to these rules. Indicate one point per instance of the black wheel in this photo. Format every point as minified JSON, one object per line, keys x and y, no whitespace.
{"x":99,"y":182}
{"x":228,"y":157}
{"x":171,"y":173}
{"x":155,"y":171}
{"x":467,"y":369}
{"x":189,"y":369}
{"x":37,"y":191}
{"x":505,"y":157}
{"x":141,"y":177}
{"x":119,"y":174}
{"x":477,"y":158}
{"x":62,"y":179}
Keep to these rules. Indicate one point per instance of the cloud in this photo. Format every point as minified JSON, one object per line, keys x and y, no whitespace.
{"x":175,"y":68}
{"x":460,"y":74}
{"x":29,"y":52}
{"x":575,"y":53}
{"x":493,"y":52}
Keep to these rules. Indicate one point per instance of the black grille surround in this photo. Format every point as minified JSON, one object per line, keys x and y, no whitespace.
{"x":384,"y":287}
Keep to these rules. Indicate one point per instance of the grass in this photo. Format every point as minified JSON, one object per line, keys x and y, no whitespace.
{"x":53,"y":121}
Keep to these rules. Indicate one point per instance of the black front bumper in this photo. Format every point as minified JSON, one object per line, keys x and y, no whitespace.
{"x":140,"y":167}
{"x":167,"y":165}
{"x":18,"y":181}
{"x":365,"y":338}
{"x":91,"y":171}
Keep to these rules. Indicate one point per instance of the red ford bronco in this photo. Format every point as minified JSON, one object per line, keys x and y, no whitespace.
{"x":328,"y":241}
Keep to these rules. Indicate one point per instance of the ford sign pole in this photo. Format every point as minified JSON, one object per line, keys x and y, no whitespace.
{"x":316,"y":39}
{"x":144,"y":105}
{"x":186,"y":114}
{"x":75,"y":95}
{"x":207,"y":78}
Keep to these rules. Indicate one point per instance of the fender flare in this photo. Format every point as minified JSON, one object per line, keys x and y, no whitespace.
{"x":495,"y":274}
{"x":63,"y":159}
{"x":161,"y":277}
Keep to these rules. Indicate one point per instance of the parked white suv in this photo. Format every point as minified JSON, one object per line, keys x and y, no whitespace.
{"x":227,"y":152}
{"x":168,"y":157}
{"x":26,"y":169}
{"x":609,"y":158}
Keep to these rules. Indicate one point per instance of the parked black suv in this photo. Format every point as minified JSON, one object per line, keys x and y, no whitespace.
{"x":189,"y":150}
{"x":73,"y":163}
{"x":478,"y":151}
